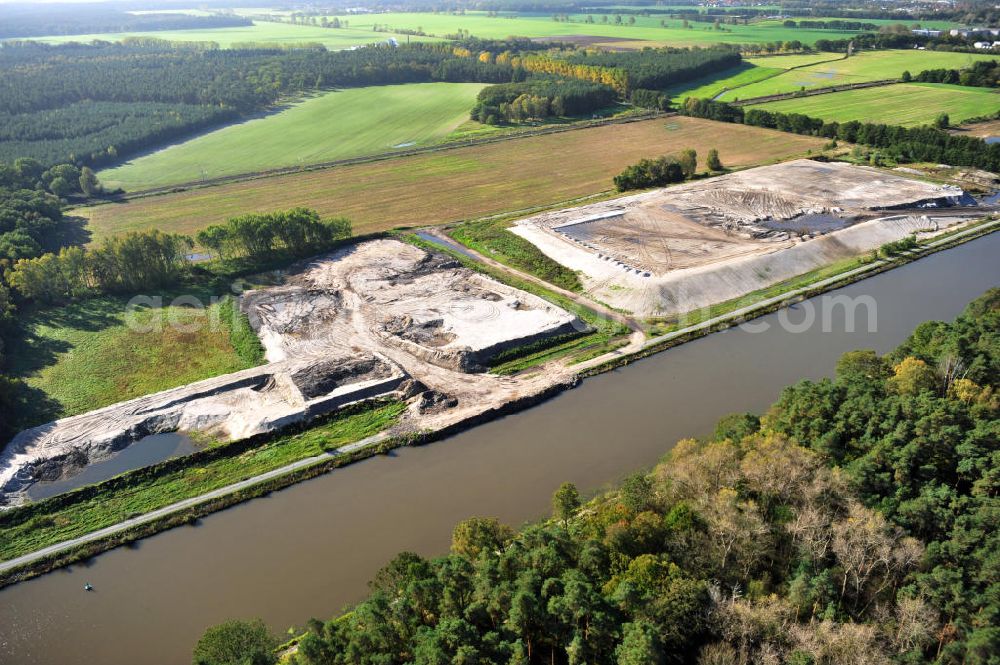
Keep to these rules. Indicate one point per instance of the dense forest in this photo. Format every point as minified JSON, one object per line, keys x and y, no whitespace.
{"x":876,"y":542}
{"x":97,"y":132}
{"x":34,"y":21}
{"x":900,"y":144}
{"x":659,"y":68}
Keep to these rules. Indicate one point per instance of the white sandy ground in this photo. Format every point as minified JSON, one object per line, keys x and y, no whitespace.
{"x":335,"y":309}
{"x":682,"y":248}
{"x":390,"y":285}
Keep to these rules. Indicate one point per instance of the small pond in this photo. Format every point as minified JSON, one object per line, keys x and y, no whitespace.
{"x":441,"y":242}
{"x":144,"y":452}
{"x":809,"y":223}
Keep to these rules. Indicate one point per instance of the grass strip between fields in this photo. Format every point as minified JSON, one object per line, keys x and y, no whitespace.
{"x":491,"y":238}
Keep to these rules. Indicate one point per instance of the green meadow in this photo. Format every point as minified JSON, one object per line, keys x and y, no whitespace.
{"x":647,"y":28}
{"x":329,"y":126}
{"x":262,"y":31}
{"x":865,"y":66}
{"x":656,"y":29}
{"x":714,"y":85}
{"x":906,"y":104}
{"x":96,"y":352}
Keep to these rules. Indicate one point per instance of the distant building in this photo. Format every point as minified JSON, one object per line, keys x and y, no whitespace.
{"x":973,"y":32}
{"x":927,"y":33}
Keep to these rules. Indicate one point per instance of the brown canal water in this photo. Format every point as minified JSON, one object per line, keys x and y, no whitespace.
{"x":310,"y":549}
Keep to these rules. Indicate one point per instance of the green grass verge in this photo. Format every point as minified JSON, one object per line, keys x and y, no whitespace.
{"x":907,"y":104}
{"x":329,"y":126}
{"x":32,"y":527}
{"x":492,"y":238}
{"x":88,"y":354}
{"x":244,"y":340}
{"x":577,"y":349}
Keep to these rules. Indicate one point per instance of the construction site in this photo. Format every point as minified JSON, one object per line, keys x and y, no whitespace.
{"x":385,"y":319}
{"x":674,"y":250}
{"x":378,"y":319}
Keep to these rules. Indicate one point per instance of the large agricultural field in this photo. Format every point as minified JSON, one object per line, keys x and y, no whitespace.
{"x":646,"y":31}
{"x":714,"y":85}
{"x":776,"y":74}
{"x":907,"y":104}
{"x":261,"y":32}
{"x":865,"y":66}
{"x":458,"y":183}
{"x":329,"y":126}
{"x":646,"y":28}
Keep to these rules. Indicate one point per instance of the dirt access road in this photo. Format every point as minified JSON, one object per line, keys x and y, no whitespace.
{"x":636,"y":339}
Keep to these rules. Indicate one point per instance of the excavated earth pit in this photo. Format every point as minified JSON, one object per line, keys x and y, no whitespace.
{"x":388,"y":294}
{"x":378,"y":319}
{"x":675,"y":250}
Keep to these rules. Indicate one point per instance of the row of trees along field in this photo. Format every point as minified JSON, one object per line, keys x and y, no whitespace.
{"x":629,"y":70}
{"x":982,"y":74}
{"x":152,"y":260}
{"x":665,"y":170}
{"x":876,"y":543}
{"x":896,"y":37}
{"x":901,"y":144}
